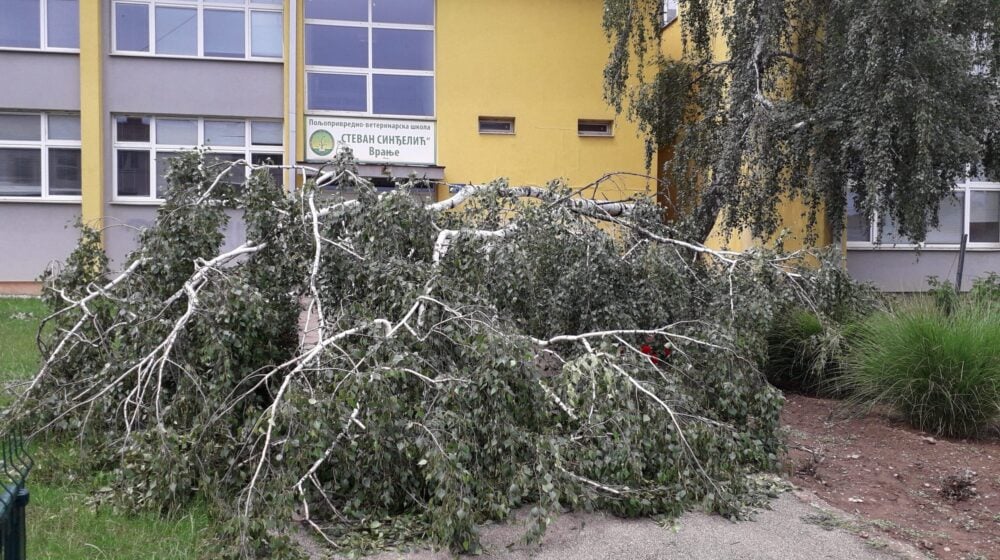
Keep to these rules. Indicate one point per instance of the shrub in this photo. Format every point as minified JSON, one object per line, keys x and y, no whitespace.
{"x":944,"y":294}
{"x":941,"y":372}
{"x":986,"y":290}
{"x":805,"y":353}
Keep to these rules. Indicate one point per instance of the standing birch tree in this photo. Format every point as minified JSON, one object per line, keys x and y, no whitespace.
{"x":886,"y":101}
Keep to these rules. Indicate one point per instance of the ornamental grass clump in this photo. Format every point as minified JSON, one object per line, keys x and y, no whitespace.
{"x":941,"y":372}
{"x":805,"y":353}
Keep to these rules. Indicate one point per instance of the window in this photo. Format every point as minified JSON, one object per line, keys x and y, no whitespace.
{"x":670,"y":11}
{"x":984,"y":216}
{"x":586,"y":127}
{"x":370,"y":57}
{"x":39,"y":156}
{"x":974,"y":210}
{"x":40,"y":24}
{"x":240,"y":29}
{"x":496,"y":125}
{"x":144,"y":145}
{"x":858,"y":228}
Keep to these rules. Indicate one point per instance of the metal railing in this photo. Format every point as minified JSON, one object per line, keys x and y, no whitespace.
{"x":15,"y":463}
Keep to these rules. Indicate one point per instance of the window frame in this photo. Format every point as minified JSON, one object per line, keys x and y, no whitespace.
{"x":370,"y":71}
{"x":246,"y":8}
{"x":43,"y":144}
{"x":246,"y":151}
{"x":967,"y":187}
{"x":511,"y":120}
{"x":609,"y":123}
{"x":43,"y":34}
{"x":671,"y":11}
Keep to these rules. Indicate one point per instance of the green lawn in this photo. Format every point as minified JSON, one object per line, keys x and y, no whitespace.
{"x":19,"y":319}
{"x":63,"y":524}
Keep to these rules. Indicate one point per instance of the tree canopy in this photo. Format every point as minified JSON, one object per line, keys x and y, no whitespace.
{"x":379,"y":370}
{"x":888,"y":101}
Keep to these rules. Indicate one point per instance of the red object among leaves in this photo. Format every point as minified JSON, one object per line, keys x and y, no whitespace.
{"x":651,"y":352}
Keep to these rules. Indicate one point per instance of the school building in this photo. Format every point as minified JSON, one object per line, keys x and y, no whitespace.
{"x":98,"y":94}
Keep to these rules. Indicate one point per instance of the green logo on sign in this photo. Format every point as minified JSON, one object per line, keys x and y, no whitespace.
{"x":321,"y":143}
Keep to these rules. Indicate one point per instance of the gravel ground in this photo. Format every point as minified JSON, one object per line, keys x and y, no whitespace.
{"x":794,"y":529}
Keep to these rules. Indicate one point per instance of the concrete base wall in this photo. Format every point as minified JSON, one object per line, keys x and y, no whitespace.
{"x":20,"y":289}
{"x":907,"y":271}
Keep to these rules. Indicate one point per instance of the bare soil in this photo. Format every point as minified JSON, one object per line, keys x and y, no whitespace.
{"x":942,"y":496}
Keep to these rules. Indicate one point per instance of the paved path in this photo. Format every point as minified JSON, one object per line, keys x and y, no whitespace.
{"x":781,"y":533}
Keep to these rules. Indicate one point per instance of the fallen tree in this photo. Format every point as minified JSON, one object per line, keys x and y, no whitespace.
{"x":510,"y":346}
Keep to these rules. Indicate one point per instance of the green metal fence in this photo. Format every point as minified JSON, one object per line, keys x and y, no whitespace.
{"x":15,"y":463}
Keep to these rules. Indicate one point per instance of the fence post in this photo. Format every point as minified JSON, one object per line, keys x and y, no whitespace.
{"x":16,"y":463}
{"x":961,"y":263}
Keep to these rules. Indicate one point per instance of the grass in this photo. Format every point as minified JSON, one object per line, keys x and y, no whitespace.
{"x":804,"y":354}
{"x":19,"y":319}
{"x":63,"y":526}
{"x":63,"y":521}
{"x":940,"y":371}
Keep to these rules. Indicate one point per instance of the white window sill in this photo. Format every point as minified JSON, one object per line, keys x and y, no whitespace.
{"x":361,"y":115}
{"x":971,"y":247}
{"x":46,"y":50}
{"x":40,"y":200}
{"x":137,"y":202}
{"x":186,"y":57}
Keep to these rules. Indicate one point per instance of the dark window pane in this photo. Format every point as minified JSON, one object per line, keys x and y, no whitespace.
{"x":858,"y":228}
{"x":132,"y":129}
{"x":984,"y":217}
{"x":338,"y":92}
{"x":403,"y":49}
{"x":133,"y":173}
{"x":63,"y":19}
{"x":890,"y":233}
{"x":951,"y":221}
{"x":265,"y":34}
{"x":20,"y":172}
{"x":347,"y":10}
{"x":419,"y":12}
{"x":403,"y":95}
{"x":331,"y":45}
{"x":20,"y":127}
{"x":132,"y":27}
{"x":20,"y":25}
{"x":176,"y":31}
{"x":64,"y":171}
{"x":224,"y":33}
{"x":218,"y":163}
{"x":162,"y":167}
{"x":270,"y":159}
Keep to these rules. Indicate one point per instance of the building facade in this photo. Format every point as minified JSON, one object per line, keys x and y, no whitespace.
{"x":98,"y":94}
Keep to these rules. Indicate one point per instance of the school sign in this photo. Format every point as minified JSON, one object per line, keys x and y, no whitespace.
{"x":397,"y":142}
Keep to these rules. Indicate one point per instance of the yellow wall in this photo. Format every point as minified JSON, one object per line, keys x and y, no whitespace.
{"x":541,"y":62}
{"x":92,"y":116}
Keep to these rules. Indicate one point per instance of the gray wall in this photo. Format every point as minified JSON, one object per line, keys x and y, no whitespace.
{"x":205,"y":88}
{"x":40,"y":80}
{"x":895,"y":270}
{"x":32,"y":235}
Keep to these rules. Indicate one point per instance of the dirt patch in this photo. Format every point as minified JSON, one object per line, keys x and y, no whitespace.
{"x":941,"y":495}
